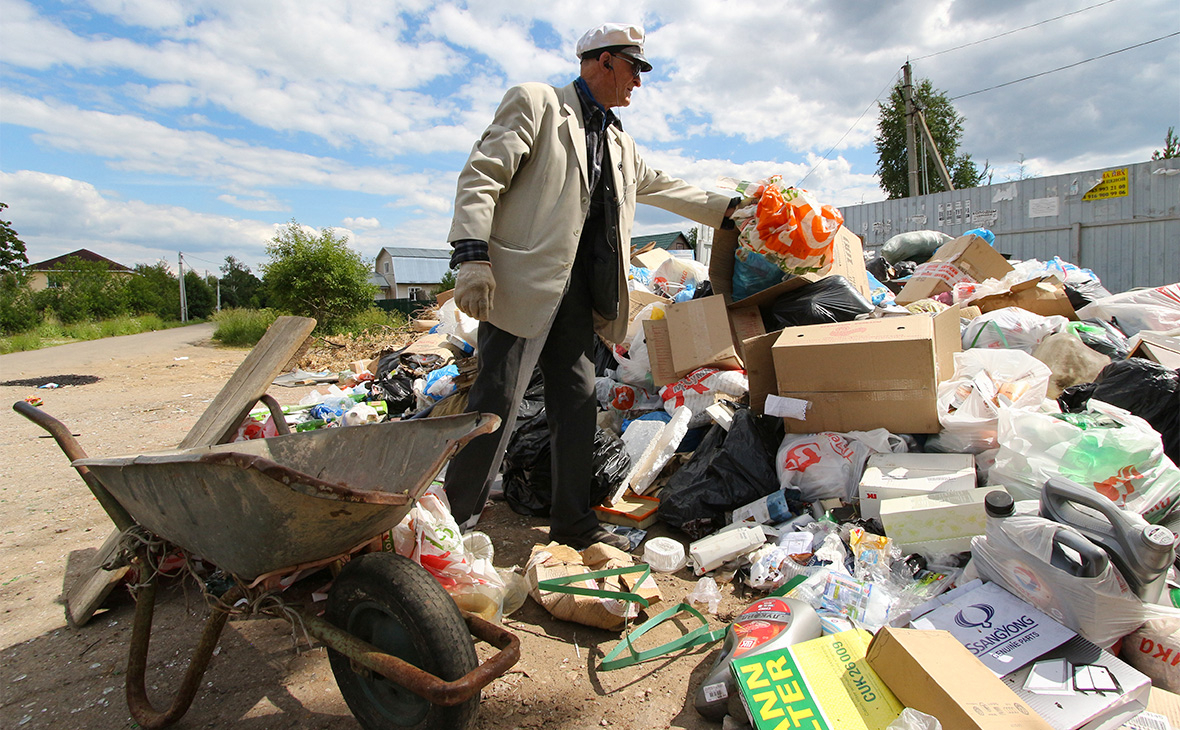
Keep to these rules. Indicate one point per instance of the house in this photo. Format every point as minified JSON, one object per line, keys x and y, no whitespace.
{"x":41,"y":274}
{"x":409,"y":273}
{"x":674,"y":241}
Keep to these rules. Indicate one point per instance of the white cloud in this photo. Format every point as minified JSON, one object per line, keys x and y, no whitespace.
{"x":365,"y":224}
{"x":56,"y":215}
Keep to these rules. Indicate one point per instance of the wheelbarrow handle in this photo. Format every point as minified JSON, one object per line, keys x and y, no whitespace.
{"x":73,"y":451}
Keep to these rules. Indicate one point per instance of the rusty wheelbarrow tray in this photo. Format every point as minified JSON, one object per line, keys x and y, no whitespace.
{"x":271,"y":506}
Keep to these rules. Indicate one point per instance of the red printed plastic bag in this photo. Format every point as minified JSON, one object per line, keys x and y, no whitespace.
{"x":698,"y":391}
{"x":788,"y":226}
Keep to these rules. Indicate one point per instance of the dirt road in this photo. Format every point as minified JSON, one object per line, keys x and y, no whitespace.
{"x":151,"y":389}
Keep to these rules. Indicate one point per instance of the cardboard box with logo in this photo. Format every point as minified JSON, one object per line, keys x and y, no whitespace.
{"x":878,"y":373}
{"x":940,"y":523}
{"x":888,"y":476}
{"x":967,"y":258}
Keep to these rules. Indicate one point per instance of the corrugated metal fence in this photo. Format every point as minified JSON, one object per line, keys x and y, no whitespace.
{"x":1122,"y":222}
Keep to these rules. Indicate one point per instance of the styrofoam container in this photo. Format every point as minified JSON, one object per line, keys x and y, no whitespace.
{"x":664,"y":555}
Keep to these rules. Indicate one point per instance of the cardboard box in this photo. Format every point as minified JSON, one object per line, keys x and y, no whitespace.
{"x":939,"y":520}
{"x":1158,"y":348}
{"x":640,"y":299}
{"x":967,"y":258}
{"x":877,"y":373}
{"x":1045,"y":296}
{"x":1163,"y":712}
{"x":848,"y":260}
{"x":650,"y":259}
{"x":822,"y":684}
{"x":693,"y":334}
{"x":932,"y":672}
{"x":888,"y":476}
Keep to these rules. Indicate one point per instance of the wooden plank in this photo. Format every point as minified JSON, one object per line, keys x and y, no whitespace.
{"x":94,"y":584}
{"x":249,"y":382}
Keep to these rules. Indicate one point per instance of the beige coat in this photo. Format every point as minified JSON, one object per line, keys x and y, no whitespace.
{"x":525,"y":190}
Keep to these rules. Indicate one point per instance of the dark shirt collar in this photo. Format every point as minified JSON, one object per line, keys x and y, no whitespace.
{"x":591,"y":108}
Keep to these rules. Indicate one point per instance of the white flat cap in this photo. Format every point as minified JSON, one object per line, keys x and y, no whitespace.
{"x":625,"y":39}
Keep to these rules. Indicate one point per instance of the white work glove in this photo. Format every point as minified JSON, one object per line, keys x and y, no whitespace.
{"x":474,"y":286}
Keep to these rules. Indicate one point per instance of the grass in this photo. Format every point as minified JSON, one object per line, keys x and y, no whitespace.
{"x":52,"y":332}
{"x":244,"y":327}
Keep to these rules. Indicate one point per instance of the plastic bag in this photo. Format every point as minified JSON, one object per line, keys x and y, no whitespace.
{"x":728,"y":470}
{"x":676,"y":276}
{"x":705,"y":591}
{"x":917,"y":246}
{"x":829,"y":300}
{"x":788,"y":226}
{"x":429,"y":536}
{"x":1146,"y":389}
{"x":1101,"y":336}
{"x":881,"y":294}
{"x":984,"y":383}
{"x":528,"y":470}
{"x":1106,"y":448}
{"x":624,"y":398}
{"x":752,"y":273}
{"x":1011,"y":328}
{"x":983,"y":233}
{"x":1144,"y":309}
{"x":1017,"y":551}
{"x":911,"y":719}
{"x":441,"y":383}
{"x":634,"y":365}
{"x":827,"y":465}
{"x":698,"y":391}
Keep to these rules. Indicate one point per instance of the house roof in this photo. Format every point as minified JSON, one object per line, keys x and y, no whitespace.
{"x":82,"y":253}
{"x":417,"y":253}
{"x":378,"y":280}
{"x":661,"y":240}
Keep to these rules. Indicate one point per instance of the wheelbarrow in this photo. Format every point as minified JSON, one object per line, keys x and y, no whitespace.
{"x":262,"y":510}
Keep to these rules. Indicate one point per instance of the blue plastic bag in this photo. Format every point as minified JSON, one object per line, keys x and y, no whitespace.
{"x":752,"y":273}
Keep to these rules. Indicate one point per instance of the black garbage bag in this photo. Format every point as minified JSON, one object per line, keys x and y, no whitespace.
{"x":604,"y":358}
{"x":528,"y":467}
{"x":1081,"y":293}
{"x":726,"y":471}
{"x":1102,"y":336}
{"x":533,"y":401}
{"x":831,"y":299}
{"x":902,"y":269}
{"x":880,"y":268}
{"x":704,"y":289}
{"x":1145,"y":388}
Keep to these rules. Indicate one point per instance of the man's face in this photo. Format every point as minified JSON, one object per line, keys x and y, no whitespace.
{"x":624,"y":77}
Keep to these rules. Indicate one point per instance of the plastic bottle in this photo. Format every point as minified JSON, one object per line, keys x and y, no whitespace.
{"x":716,"y":550}
{"x":769,"y":624}
{"x":1142,"y":552}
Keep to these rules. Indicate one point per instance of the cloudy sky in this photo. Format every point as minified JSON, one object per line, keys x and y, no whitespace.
{"x":140,"y":128}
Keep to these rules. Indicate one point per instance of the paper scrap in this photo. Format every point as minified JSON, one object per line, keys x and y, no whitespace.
{"x":780,"y":407}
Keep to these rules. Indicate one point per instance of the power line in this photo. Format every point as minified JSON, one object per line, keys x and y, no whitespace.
{"x":1014,"y":30}
{"x":1062,"y":68}
{"x":889,"y":85}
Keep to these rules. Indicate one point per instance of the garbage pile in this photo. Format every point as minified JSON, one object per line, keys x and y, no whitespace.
{"x":953,"y":475}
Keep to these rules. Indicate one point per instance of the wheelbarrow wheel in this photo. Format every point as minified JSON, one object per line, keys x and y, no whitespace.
{"x":395,"y":605}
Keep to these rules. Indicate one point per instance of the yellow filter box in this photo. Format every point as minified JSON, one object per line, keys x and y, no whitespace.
{"x":822,"y":684}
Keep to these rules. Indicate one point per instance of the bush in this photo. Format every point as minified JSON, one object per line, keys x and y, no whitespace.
{"x":242,"y":327}
{"x":317,"y":276}
{"x":17,"y":313}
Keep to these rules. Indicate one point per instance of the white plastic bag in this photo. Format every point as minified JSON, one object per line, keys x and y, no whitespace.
{"x":1147,"y":309}
{"x":911,"y":719}
{"x":634,"y":365}
{"x":429,"y":536}
{"x":455,"y":323}
{"x":1010,"y":328}
{"x":1016,"y":552}
{"x":985,"y":381}
{"x":698,"y":391}
{"x":680,"y":275}
{"x":828,"y":465}
{"x":1113,"y":452}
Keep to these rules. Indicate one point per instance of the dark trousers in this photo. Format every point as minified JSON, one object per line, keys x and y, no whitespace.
{"x":565,"y":352}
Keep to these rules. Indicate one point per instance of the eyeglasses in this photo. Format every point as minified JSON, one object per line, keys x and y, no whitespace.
{"x":635,"y":71}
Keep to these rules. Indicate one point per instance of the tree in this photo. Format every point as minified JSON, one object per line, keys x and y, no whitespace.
{"x":13,"y":257}
{"x":198,"y":295}
{"x":447,"y":283}
{"x":240,"y":287}
{"x":946,"y":127}
{"x":1171,"y":147}
{"x":317,"y":275}
{"x":154,"y":290}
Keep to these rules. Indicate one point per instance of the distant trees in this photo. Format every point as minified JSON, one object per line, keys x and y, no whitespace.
{"x":316,"y":274}
{"x":946,"y":127}
{"x":240,"y":287}
{"x":1171,"y":147}
{"x":12,"y":249}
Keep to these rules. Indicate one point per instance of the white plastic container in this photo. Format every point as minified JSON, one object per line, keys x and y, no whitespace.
{"x":716,"y":550}
{"x":664,"y":555}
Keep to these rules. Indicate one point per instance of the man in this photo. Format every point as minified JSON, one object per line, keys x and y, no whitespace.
{"x":541,"y":235}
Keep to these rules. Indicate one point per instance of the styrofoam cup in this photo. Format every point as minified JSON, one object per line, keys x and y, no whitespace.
{"x":664,"y":555}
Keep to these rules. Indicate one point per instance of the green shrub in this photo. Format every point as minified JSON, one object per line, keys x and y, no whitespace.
{"x":17,"y":313}
{"x":242,"y":327}
{"x":20,"y":343}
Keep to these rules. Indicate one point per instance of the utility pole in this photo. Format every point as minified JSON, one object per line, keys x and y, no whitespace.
{"x":938,"y":163}
{"x":911,"y":149}
{"x":183,"y":300}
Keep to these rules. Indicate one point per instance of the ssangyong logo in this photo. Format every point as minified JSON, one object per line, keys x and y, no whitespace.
{"x":969,"y":617}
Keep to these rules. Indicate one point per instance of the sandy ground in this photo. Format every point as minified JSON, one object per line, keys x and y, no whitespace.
{"x":151,"y":389}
